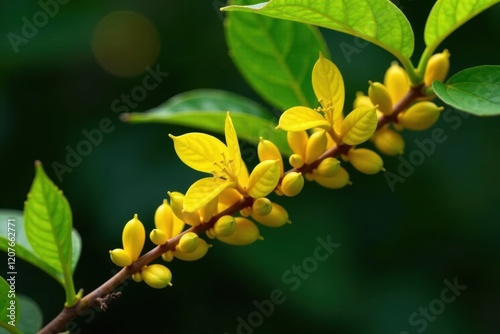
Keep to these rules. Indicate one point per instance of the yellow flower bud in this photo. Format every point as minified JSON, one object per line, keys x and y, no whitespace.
{"x":339,"y":180}
{"x":362,"y":100}
{"x":166,"y":221}
{"x":397,"y":82}
{"x":188,"y":243}
{"x":262,"y":206}
{"x":158,"y":237}
{"x":120,"y":257}
{"x":365,"y":160}
{"x":245,"y":212}
{"x":168,"y":256}
{"x":177,"y":204}
{"x":137,"y":277}
{"x":420,"y":116}
{"x":197,"y":254}
{"x":267,"y":150}
{"x":296,"y":160}
{"x":292,"y":184}
{"x":327,"y":167}
{"x":316,"y":145}
{"x":224,"y":226}
{"x":276,"y":218}
{"x":210,"y":233}
{"x":379,"y":95}
{"x":437,"y":67}
{"x":246,"y":233}
{"x":133,"y":237}
{"x":157,"y":276}
{"x":297,"y":141}
{"x":389,"y":141}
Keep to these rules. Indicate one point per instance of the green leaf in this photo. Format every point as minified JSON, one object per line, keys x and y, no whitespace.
{"x":23,"y":248}
{"x":475,"y":90}
{"x":48,"y":225}
{"x":377,"y":21}
{"x":30,"y":315}
{"x":207,"y":109}
{"x":448,"y":15}
{"x":276,"y":57}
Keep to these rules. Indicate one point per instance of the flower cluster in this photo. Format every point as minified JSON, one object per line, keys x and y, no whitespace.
{"x":230,"y":204}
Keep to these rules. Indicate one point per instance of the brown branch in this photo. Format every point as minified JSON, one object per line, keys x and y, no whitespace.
{"x":101,"y":296}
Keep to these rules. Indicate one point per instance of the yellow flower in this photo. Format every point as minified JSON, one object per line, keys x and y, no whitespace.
{"x":208,"y":154}
{"x":357,"y":127}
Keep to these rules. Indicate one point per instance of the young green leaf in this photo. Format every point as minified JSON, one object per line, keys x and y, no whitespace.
{"x":377,"y":21}
{"x":48,"y":224}
{"x":275,"y":56}
{"x":448,"y":15}
{"x":475,"y":90}
{"x":30,"y":315}
{"x":206,"y":109}
{"x":23,"y":248}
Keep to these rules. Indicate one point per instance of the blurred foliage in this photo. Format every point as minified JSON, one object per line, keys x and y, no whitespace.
{"x":396,"y":249}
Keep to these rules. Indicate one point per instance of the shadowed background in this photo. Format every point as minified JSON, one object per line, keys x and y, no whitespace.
{"x":396,"y":247}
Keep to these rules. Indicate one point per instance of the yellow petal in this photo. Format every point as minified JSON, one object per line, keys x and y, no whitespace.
{"x":359,"y":125}
{"x":203,"y":191}
{"x":199,"y":150}
{"x":232,"y":146}
{"x":301,"y":118}
{"x":264,"y":178}
{"x":328,"y":85}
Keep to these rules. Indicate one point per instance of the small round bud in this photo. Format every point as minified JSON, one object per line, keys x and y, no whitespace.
{"x":137,"y":277}
{"x":389,"y":142}
{"x":276,"y":218}
{"x":120,"y":257}
{"x":225,"y":226}
{"x":157,"y":276}
{"x":246,"y":233}
{"x":316,"y":145}
{"x":365,"y":160}
{"x":292,"y":184}
{"x":397,"y":82}
{"x":133,"y":237}
{"x":188,"y":243}
{"x":158,"y":237}
{"x":262,"y":206}
{"x":296,"y":160}
{"x":197,"y":254}
{"x":379,"y":95}
{"x":210,"y":233}
{"x":437,"y":67}
{"x":327,"y":167}
{"x":168,"y":256}
{"x":420,"y":116}
{"x":339,"y":180}
{"x":267,"y":150}
{"x":297,"y":141}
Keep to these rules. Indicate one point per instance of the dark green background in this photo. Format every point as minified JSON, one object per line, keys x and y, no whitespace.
{"x":396,"y":249}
